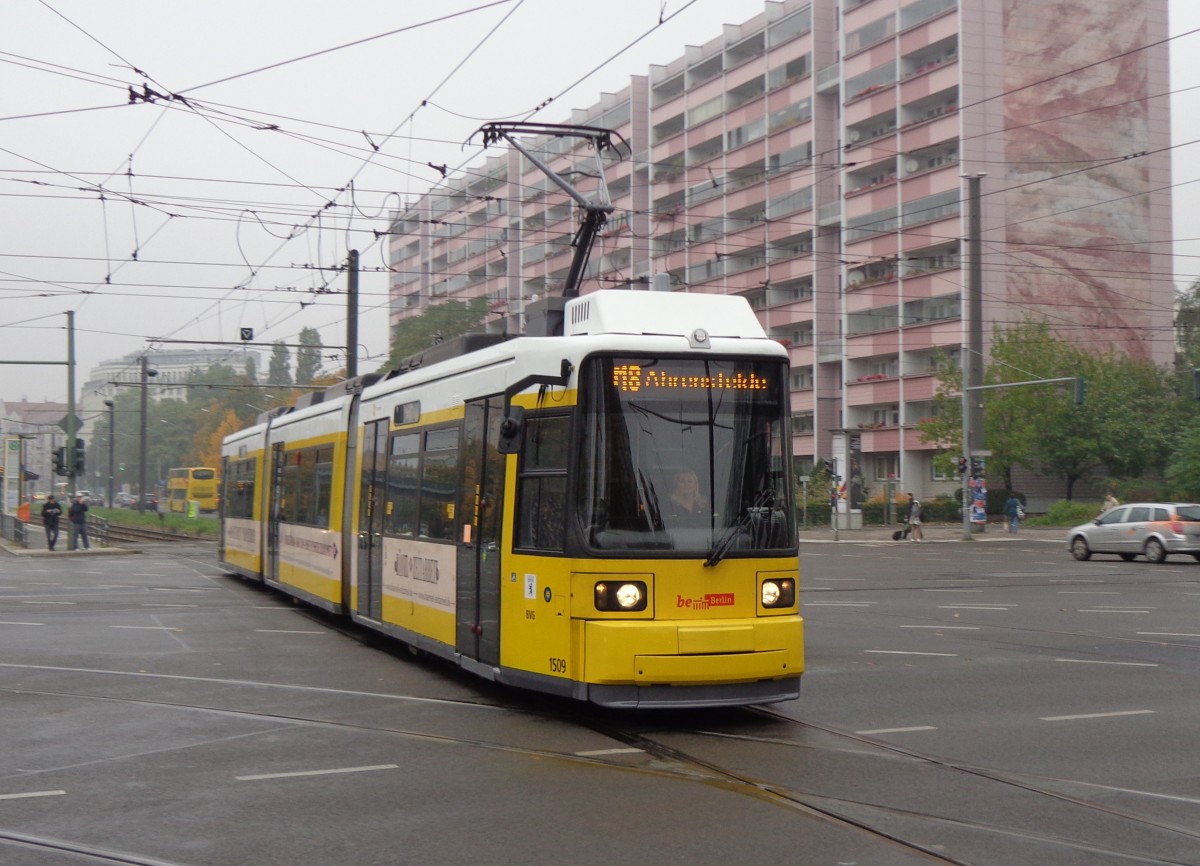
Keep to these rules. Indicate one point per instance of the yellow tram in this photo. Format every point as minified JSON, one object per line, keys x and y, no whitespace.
{"x":605,"y":515}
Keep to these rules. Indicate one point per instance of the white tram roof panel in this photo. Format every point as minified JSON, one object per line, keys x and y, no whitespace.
{"x":615,"y":311}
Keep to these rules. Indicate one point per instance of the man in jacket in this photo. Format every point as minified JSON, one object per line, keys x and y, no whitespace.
{"x":77,"y":514}
{"x":51,"y":511}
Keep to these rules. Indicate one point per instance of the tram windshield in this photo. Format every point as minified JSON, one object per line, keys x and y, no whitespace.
{"x":685,"y":454}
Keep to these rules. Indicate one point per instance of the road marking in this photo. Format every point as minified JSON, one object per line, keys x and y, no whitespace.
{"x":32,"y":794}
{"x":1096,"y":716}
{"x":948,"y":589}
{"x":1118,"y":664}
{"x":22,"y":623}
{"x":47,"y":602}
{"x":945,"y":627}
{"x":165,"y":604}
{"x":839,"y":603}
{"x":896,"y":730}
{"x":146,"y":627}
{"x":1108,"y":610}
{"x":907,"y":653}
{"x":974,"y":607}
{"x":1088,"y":592}
{"x":286,"y":631}
{"x":1166,"y":634}
{"x":318,"y":772}
{"x":597,"y":752}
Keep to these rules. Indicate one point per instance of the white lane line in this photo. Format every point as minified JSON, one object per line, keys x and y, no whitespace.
{"x":596,"y":752}
{"x":1096,"y":716}
{"x":47,"y":602}
{"x":906,"y":653}
{"x":146,"y":627}
{"x":974,"y":607}
{"x":32,"y":794}
{"x":1108,"y":610}
{"x":22,"y":623}
{"x":838,"y":603}
{"x":1166,"y":634}
{"x":1117,"y":664}
{"x":945,"y":627}
{"x":317,"y":772}
{"x":1088,"y":592}
{"x":897,"y":730}
{"x":286,"y":631}
{"x":1069,"y":580}
{"x":165,"y":604}
{"x":952,"y":590}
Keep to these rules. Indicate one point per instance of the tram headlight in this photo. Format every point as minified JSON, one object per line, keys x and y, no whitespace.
{"x":629,"y":595}
{"x":778,"y":593}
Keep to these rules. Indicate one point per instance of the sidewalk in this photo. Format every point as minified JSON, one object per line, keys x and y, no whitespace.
{"x":935,"y":533}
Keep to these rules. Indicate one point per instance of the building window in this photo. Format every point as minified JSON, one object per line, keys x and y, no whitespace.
{"x":887,"y":467}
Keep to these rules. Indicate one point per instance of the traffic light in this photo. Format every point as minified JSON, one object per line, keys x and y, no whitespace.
{"x":58,"y":459}
{"x":962,"y":465}
{"x":79,"y":454}
{"x":1080,"y":390}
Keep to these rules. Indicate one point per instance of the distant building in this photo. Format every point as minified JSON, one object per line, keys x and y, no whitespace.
{"x":38,"y":425}
{"x":812,"y":160}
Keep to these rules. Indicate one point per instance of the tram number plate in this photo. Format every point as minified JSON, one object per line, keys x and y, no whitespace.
{"x":558,"y":666}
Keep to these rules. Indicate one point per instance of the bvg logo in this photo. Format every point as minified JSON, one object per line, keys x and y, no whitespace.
{"x":711,"y":599}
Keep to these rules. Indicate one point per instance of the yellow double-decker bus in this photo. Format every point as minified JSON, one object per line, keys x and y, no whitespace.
{"x":189,"y":483}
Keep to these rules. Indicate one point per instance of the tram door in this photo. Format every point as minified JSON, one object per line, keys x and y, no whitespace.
{"x":370,"y":520}
{"x":478,"y":520}
{"x":274,"y":500}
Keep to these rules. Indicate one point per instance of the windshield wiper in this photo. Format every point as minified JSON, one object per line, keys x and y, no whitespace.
{"x":763,"y":499}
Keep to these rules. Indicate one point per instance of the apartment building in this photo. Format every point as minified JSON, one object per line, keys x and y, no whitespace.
{"x":812,"y":159}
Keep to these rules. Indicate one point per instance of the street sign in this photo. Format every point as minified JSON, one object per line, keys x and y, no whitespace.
{"x":62,"y":425}
{"x":979,"y":453}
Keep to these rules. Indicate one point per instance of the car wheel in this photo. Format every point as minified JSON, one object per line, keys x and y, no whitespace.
{"x":1128,"y":557}
{"x":1080,"y":549}
{"x":1155,"y":552}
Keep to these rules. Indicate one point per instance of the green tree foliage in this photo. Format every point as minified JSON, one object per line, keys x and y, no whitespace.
{"x":308,"y":356}
{"x":1187,"y":327}
{"x":1124,"y":427}
{"x":442,"y":321}
{"x":279,"y":372}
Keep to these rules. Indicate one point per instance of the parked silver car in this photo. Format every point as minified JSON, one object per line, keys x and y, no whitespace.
{"x":1151,"y":529}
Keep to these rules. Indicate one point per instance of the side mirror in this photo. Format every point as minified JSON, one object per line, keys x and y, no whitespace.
{"x":510,"y":430}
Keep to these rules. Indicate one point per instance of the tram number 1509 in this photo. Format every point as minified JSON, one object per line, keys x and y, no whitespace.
{"x":558,"y":666}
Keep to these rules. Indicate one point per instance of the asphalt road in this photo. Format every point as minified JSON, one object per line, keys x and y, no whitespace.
{"x":964,"y":703}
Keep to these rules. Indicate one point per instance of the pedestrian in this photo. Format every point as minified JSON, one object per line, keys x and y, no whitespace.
{"x":1110,"y":502}
{"x":1014,"y":512}
{"x":51,"y":511}
{"x":77,"y":514}
{"x":914,"y":518}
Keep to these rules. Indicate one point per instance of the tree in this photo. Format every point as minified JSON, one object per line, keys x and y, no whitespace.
{"x":439,"y":322}
{"x":1187,"y":327}
{"x":280,"y":370}
{"x":308,"y":356}
{"x":1123,"y":427}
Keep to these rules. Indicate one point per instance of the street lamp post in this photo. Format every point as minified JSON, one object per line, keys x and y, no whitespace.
{"x":112,"y":439}
{"x":146,"y":372}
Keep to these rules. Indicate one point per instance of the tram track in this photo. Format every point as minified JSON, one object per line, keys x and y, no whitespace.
{"x":686,"y":765}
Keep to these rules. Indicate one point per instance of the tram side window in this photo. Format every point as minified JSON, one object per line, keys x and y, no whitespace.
{"x":307,"y":486}
{"x":290,"y":488}
{"x":323,"y":490}
{"x":239,"y":489}
{"x":542,"y":483}
{"x":400,"y":514}
{"x":439,"y":482}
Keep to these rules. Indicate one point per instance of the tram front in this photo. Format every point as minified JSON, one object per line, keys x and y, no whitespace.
{"x":683,"y":522}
